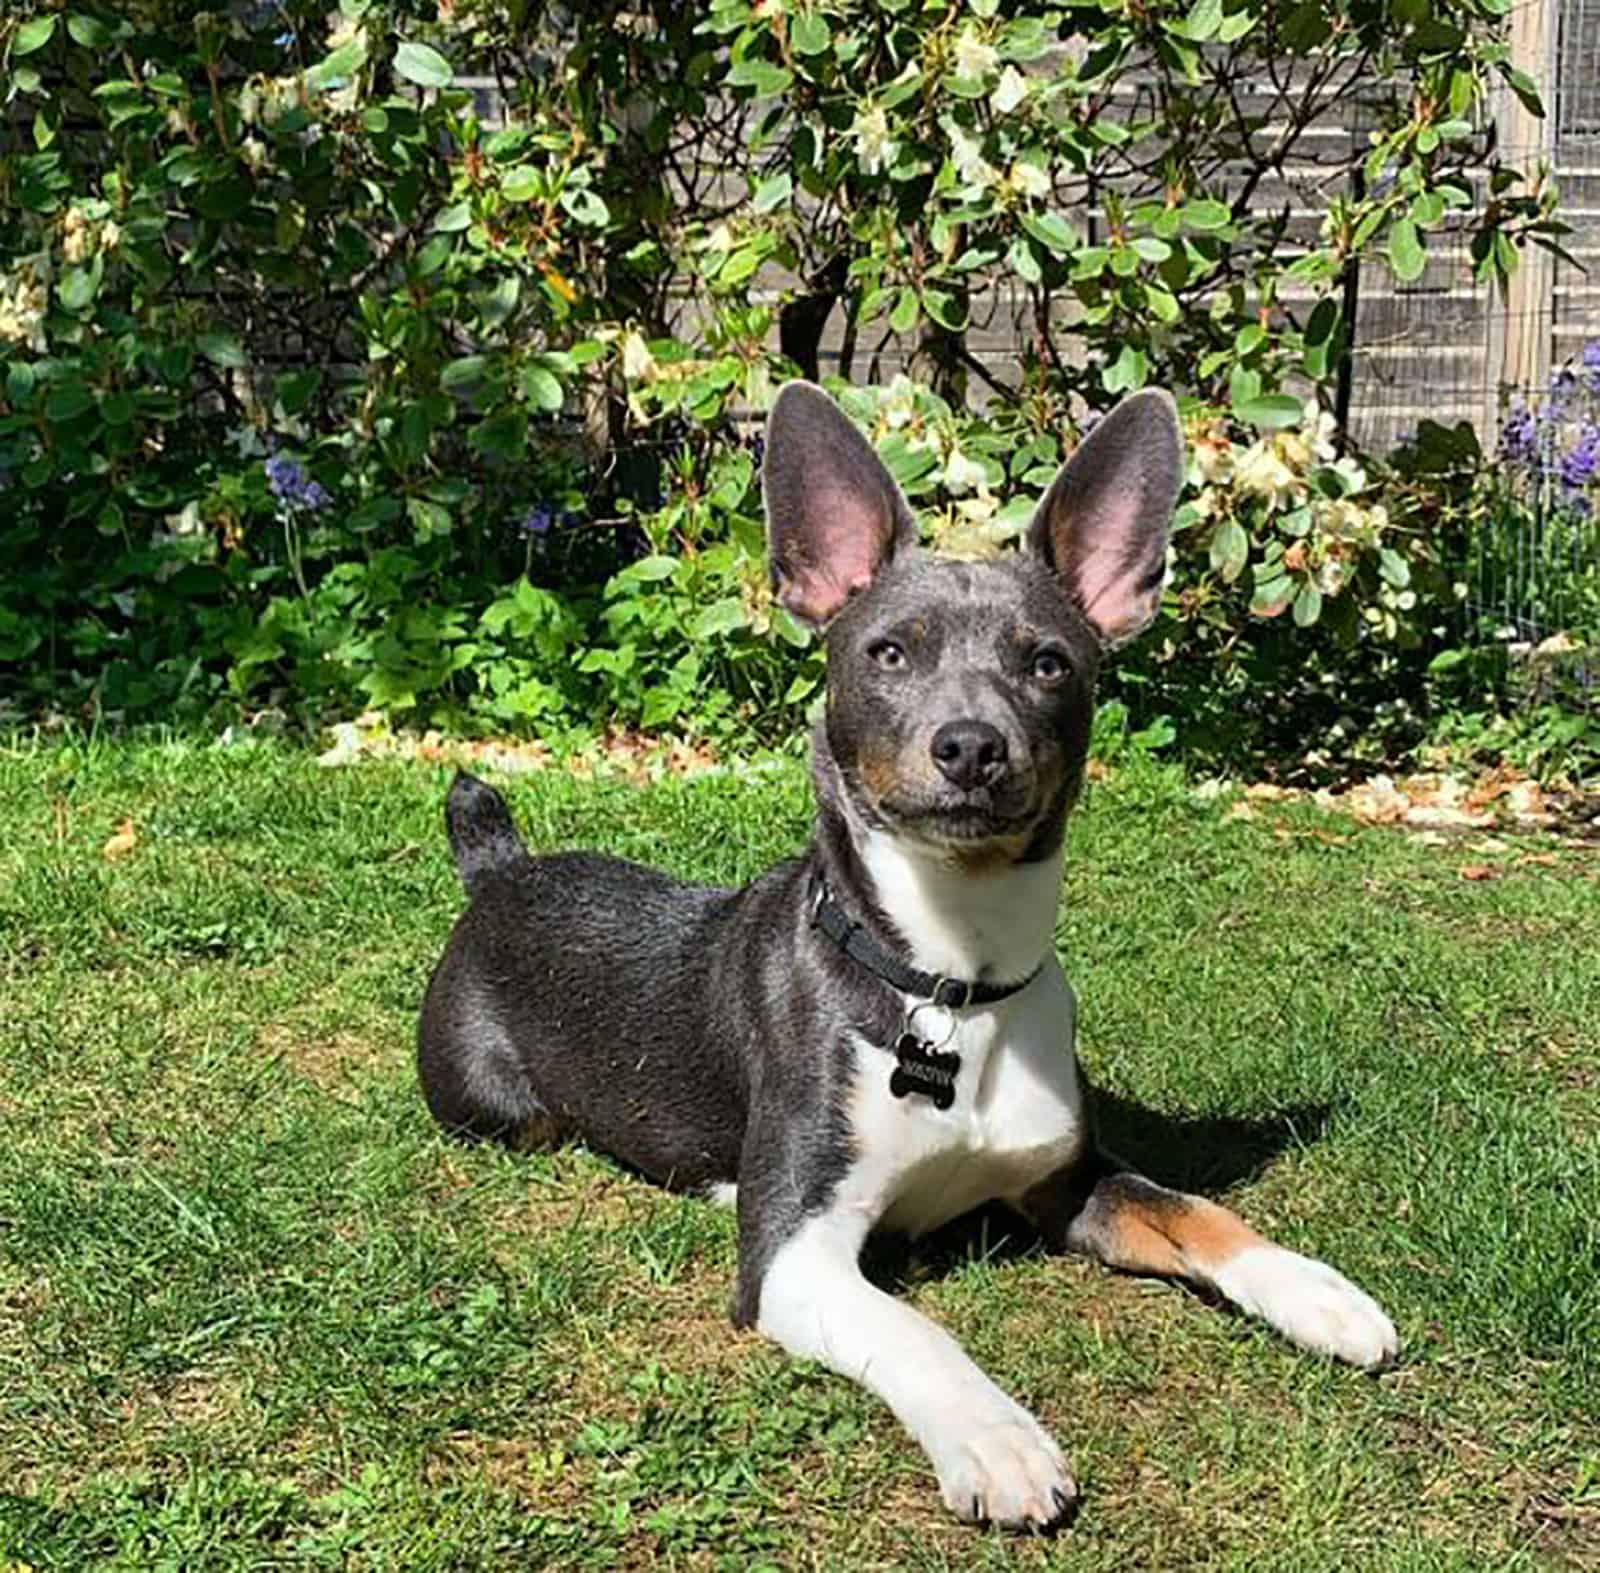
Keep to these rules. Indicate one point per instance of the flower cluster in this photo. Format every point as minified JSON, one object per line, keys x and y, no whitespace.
{"x":1287,"y":505}
{"x":1552,"y":448}
{"x":23,"y":300}
{"x":291,"y":483}
{"x":86,"y":230}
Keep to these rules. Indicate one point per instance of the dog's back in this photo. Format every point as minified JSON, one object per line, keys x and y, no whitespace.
{"x":567,"y":974}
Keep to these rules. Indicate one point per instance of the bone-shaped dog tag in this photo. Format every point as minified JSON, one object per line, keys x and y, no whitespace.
{"x":922,"y":1069}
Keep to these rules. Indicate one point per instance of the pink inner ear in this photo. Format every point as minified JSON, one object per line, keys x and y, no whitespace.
{"x":846,"y":547}
{"x":1109,"y":569}
{"x":1105,"y":587}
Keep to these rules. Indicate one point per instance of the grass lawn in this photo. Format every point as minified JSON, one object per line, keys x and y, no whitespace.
{"x":255,"y":1312}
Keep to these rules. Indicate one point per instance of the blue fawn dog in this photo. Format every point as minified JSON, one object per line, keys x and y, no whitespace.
{"x":876,"y":1034}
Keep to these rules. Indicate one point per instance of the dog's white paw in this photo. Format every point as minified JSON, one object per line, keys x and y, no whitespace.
{"x":1000,"y":1466}
{"x":1311,"y":1304}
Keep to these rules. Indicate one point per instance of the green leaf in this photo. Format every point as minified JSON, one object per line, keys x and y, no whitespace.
{"x":88,"y":31}
{"x":541,"y":389}
{"x":720,"y":618}
{"x":1270,"y":410}
{"x":1307,"y":605}
{"x":773,"y":192}
{"x":809,"y":34}
{"x":944,"y":308}
{"x":453,"y":218}
{"x":767,"y":79}
{"x":117,"y":409}
{"x":463,"y":372}
{"x":1407,"y":255}
{"x":1527,"y":90}
{"x":521,"y":184}
{"x":221,"y":349}
{"x":338,"y":67}
{"x":1163,"y":306}
{"x":1206,"y":213}
{"x":68,"y":402}
{"x":428,"y":519}
{"x":33,"y":35}
{"x":423,"y":65}
{"x":904,"y":316}
{"x":1394,"y":567}
{"x":652,"y":569}
{"x":1230,"y":549}
{"x":1052,"y":232}
{"x":1202,"y":22}
{"x":1126,"y":373}
{"x":587,"y":206}
{"x":1023,"y":263}
{"x":1273,"y":593}
{"x":78,"y":286}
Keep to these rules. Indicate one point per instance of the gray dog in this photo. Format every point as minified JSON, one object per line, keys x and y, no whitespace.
{"x":876,"y":1033}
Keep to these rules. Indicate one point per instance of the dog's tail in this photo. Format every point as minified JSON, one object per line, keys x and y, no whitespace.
{"x":481,"y":833}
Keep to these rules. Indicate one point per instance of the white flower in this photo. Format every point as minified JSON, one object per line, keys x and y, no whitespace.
{"x":1212,"y":455}
{"x":967,"y":156}
{"x":1261,"y":472}
{"x":1355,"y":477}
{"x":974,"y":58}
{"x":1294,"y":448}
{"x":962,"y":474}
{"x":637,"y":361}
{"x":1012,"y":89}
{"x":1331,"y":576}
{"x":874,"y":148}
{"x":1029,"y":179}
{"x":253,"y":151}
{"x":186,"y":521}
{"x":899,"y":402}
{"x":1322,"y":429}
{"x":22,"y":308}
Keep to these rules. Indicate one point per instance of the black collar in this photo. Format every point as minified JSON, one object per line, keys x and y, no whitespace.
{"x":859,"y":946}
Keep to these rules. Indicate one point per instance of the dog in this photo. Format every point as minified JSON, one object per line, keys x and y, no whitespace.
{"x":876,"y":1035}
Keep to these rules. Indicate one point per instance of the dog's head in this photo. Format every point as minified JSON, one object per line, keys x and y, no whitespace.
{"x":960,"y":694}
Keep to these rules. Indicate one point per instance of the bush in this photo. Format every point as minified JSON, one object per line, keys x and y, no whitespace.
{"x":323,"y":391}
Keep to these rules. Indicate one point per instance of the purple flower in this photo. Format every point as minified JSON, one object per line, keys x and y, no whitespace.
{"x":1591,"y":364}
{"x":292,"y":485}
{"x":1581,"y":461}
{"x":537,"y":520}
{"x":1519,"y":436}
{"x":1563,"y":387}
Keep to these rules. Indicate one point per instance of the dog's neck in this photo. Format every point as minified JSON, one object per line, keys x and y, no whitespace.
{"x":957,"y":918}
{"x":993,"y":923}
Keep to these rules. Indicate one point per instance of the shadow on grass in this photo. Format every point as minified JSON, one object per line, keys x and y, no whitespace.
{"x":1207,"y":1154}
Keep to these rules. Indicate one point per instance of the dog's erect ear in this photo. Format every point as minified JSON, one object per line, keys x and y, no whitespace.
{"x":834,"y":514}
{"x":1102,"y":526}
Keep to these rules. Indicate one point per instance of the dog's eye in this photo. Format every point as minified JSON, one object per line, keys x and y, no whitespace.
{"x":1049,"y":666}
{"x":890,"y":656}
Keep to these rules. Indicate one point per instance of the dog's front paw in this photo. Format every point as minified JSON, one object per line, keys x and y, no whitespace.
{"x":1311,"y":1304}
{"x":1002,"y":1467}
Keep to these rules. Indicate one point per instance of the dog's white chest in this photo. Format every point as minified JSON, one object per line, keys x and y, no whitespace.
{"x":1016,"y":1117}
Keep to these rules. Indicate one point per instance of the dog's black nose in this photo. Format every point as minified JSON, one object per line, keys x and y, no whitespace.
{"x":969,"y":753}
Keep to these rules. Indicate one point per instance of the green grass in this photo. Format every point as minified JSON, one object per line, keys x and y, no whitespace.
{"x":255,"y":1312}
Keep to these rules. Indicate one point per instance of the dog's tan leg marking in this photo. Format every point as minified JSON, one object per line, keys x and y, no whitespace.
{"x":1129,"y":1222}
{"x":1172,"y":1235}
